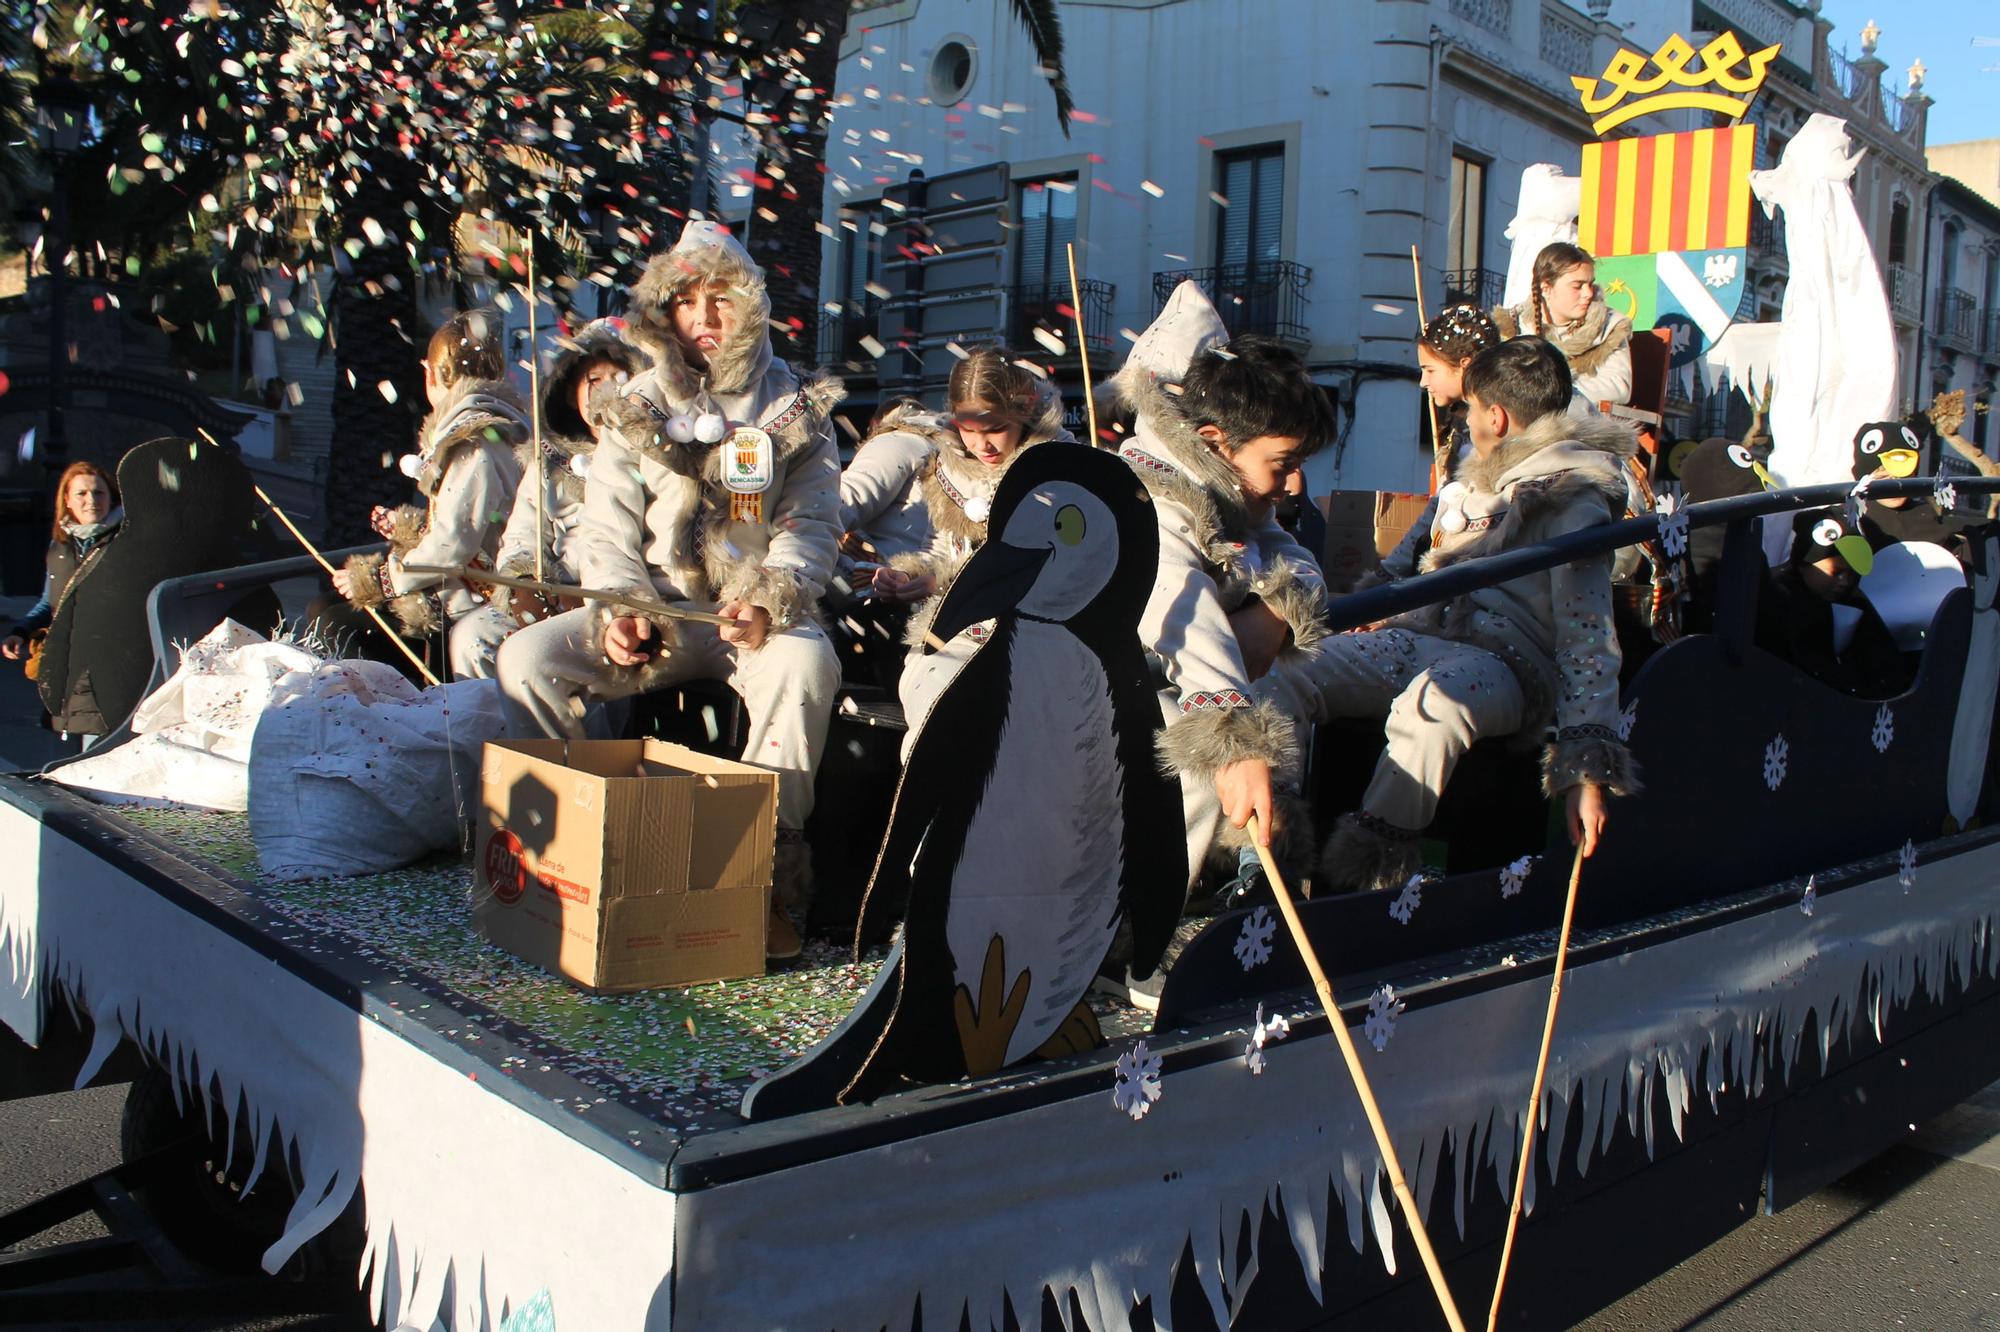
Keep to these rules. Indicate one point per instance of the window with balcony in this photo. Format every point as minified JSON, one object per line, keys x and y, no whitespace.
{"x":1045,"y":218}
{"x":1466,"y":276}
{"x":1899,"y":231}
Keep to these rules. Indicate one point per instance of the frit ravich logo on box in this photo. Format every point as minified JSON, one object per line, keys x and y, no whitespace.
{"x":506,"y":870}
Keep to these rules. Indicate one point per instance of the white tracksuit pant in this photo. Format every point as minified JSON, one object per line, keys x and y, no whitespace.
{"x":549,"y":677}
{"x":473,"y":641}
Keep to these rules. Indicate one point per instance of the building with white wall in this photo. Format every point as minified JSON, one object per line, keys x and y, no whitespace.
{"x":1959,"y":336}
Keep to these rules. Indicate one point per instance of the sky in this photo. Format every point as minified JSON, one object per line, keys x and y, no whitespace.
{"x":1963,"y":79}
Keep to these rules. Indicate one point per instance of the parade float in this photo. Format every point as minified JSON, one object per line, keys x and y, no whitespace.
{"x":1780,"y":958}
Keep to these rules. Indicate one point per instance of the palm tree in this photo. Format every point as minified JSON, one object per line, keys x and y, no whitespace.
{"x":790,"y":205}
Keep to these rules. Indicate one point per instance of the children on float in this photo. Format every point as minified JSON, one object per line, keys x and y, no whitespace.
{"x":1445,"y":348}
{"x":714,"y":485}
{"x":468,"y":466}
{"x":1811,"y":613}
{"x":583,"y":375}
{"x":1535,"y":656}
{"x":1236,"y":614}
{"x":1893,"y":450}
{"x":1565,"y":306}
{"x":999,"y":409}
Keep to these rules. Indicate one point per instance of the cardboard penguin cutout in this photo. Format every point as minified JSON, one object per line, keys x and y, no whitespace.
{"x":1033,"y":815}
{"x":188,"y":507}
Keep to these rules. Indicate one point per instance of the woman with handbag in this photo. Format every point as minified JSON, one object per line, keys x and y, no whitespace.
{"x":87,"y":517}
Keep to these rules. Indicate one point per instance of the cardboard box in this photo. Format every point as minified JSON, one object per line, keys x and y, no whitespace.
{"x":1361,"y":527}
{"x":624,"y":864}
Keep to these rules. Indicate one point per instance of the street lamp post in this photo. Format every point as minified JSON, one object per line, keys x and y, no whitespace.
{"x":62,"y":112}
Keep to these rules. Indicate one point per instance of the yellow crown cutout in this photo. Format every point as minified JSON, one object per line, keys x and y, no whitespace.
{"x":1626,"y":77}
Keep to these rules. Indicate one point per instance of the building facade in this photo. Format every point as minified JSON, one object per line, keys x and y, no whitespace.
{"x":1959,"y":332}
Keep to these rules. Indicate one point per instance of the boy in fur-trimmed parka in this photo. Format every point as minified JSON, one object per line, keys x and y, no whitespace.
{"x":1536,"y":656}
{"x":1236,"y":613}
{"x":715,"y":484}
{"x":468,"y":466}
{"x":585,"y":373}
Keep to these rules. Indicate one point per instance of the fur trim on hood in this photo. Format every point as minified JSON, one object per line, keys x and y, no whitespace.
{"x":601,"y":338}
{"x":474,"y":412}
{"x":706,"y":253}
{"x":953,"y":476}
{"x":1177,"y":464}
{"x":1548,"y":465}
{"x":1587,"y":344}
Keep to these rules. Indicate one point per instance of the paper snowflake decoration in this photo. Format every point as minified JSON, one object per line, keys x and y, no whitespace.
{"x":1885,"y":729}
{"x":1628,"y":717}
{"x":1253,"y":945}
{"x":1408,"y":900}
{"x":1673,"y":527}
{"x":1906,"y":866}
{"x":1515,"y":875}
{"x":1777,"y":757}
{"x":1383,"y":1009}
{"x":1265,"y":1032}
{"x":1811,"y":897}
{"x":1137,"y":1081}
{"x":1944,"y":495}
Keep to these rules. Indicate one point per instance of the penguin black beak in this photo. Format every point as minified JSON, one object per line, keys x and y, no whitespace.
{"x":991,"y":583}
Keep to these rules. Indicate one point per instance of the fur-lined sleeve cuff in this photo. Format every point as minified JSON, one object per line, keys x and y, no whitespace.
{"x":1298,"y":600}
{"x":364,"y":579}
{"x":1591,"y":754}
{"x":666,"y":632}
{"x":406,"y":527}
{"x":780,"y":593}
{"x":1211,"y":734}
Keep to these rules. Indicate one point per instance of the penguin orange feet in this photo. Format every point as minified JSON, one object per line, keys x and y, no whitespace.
{"x":1078,"y":1034}
{"x":985,"y":1032}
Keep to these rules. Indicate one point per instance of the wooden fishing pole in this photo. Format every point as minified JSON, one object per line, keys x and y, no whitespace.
{"x":373,"y":613}
{"x":535,"y":420}
{"x":1535,"y":1096}
{"x":659,"y":608}
{"x":1390,"y":1163}
{"x":1439,"y":458}
{"x":1082,"y":344}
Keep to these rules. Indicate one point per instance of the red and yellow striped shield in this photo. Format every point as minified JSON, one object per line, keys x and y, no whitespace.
{"x":1686,"y":191}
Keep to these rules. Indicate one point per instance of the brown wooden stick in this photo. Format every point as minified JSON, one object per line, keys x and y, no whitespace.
{"x":1082,"y":345}
{"x":659,"y":608}
{"x":535,"y":419}
{"x":1535,"y":1097}
{"x":1360,"y":1077}
{"x":373,"y":613}
{"x":1438,"y":458}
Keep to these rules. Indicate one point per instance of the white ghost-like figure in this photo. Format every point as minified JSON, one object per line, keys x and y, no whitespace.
{"x":1546,"y":213}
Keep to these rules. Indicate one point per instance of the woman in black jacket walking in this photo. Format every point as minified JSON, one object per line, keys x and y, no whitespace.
{"x":87,"y":517}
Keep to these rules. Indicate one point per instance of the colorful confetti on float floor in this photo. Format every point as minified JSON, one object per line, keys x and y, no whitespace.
{"x":682,"y":1056}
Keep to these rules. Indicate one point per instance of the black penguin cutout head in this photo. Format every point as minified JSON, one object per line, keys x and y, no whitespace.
{"x":1719,"y":468}
{"x":1819,"y":533}
{"x":1888,"y":446}
{"x":1071,"y":538}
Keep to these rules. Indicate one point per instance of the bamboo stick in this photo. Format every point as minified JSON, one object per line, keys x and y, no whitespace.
{"x":1438,"y":445}
{"x":1354,"y":1070}
{"x":1082,"y":345}
{"x":650,"y":607}
{"x":535,"y":421}
{"x":1535,"y":1096}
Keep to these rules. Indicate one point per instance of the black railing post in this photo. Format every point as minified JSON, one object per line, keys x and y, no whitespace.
{"x":1738,"y":584}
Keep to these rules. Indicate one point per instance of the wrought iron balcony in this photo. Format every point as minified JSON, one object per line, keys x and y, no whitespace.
{"x":1268,"y":298}
{"x":1482,"y":287}
{"x":1957,"y":318}
{"x":1046,"y":306}
{"x":1905,"y":292}
{"x":840,"y":334}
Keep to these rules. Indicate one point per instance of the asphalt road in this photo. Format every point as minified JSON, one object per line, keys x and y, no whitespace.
{"x":1911,"y":1240}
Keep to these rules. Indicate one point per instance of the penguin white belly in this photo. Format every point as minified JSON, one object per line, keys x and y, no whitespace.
{"x":1049,"y":828}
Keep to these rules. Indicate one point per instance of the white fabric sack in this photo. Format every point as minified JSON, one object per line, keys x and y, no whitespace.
{"x":191,"y":742}
{"x":356,"y":771}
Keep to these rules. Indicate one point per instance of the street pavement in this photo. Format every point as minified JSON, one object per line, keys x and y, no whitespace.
{"x":1910,"y":1240}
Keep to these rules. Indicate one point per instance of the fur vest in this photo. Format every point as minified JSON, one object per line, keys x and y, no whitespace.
{"x":1554,"y":630}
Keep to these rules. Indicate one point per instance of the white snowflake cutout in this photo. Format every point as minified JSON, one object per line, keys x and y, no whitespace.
{"x":1253,"y":945}
{"x":1811,"y":894}
{"x":1777,"y":757}
{"x":1383,"y":1009}
{"x":1944,"y":495}
{"x":1628,"y":717}
{"x":1264,"y":1032}
{"x":1906,"y":867}
{"x":1407,"y":901}
{"x":1884,"y":733}
{"x":1673,"y":527}
{"x":1136,"y":1081}
{"x":1514,"y":876}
